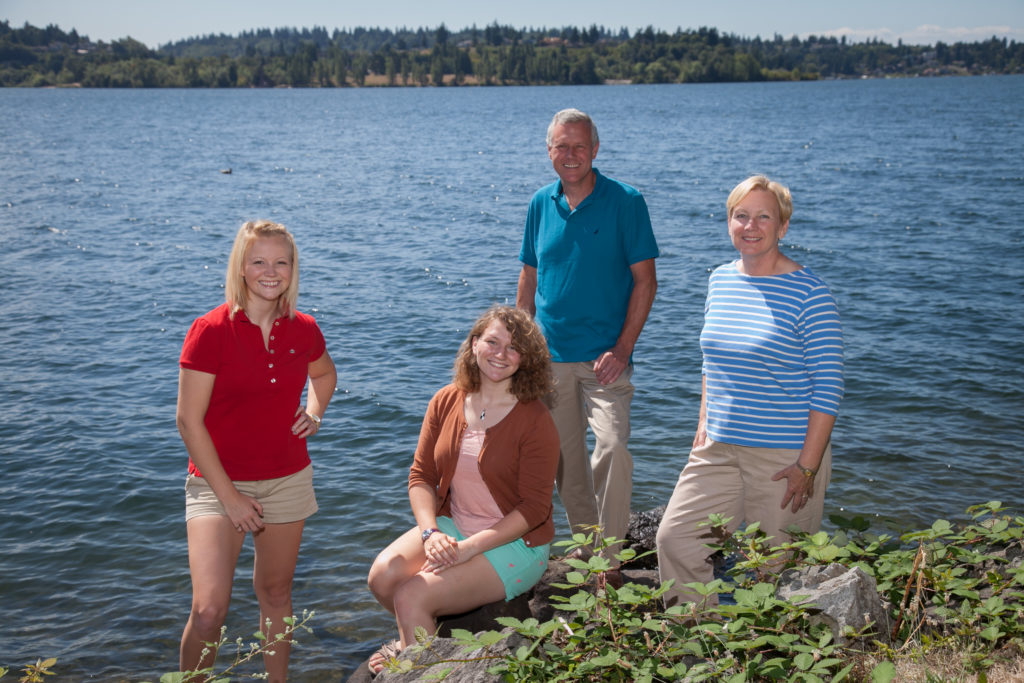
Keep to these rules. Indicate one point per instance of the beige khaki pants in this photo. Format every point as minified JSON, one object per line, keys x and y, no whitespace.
{"x":595,"y":490}
{"x":733,"y":481}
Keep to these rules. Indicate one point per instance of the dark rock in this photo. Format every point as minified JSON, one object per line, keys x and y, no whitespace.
{"x":483,"y":618}
{"x":642,"y":536}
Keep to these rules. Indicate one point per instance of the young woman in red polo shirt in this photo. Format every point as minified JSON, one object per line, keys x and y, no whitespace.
{"x":244,"y":367}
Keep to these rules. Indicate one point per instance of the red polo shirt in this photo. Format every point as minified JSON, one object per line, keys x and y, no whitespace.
{"x":256,"y":390}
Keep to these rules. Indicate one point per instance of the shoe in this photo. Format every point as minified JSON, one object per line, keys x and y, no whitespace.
{"x":388,"y":652}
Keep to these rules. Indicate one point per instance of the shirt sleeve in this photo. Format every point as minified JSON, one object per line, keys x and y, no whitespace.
{"x":640,"y":243}
{"x":538,"y":465}
{"x":528,"y":251}
{"x":201,"y":349}
{"x":319,"y":344}
{"x":823,"y":350}
{"x":424,"y":465}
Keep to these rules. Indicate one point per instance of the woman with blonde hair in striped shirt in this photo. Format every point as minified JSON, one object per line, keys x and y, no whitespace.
{"x":772,"y":380}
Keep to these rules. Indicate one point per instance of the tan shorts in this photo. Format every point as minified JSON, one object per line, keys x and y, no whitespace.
{"x":284,"y":500}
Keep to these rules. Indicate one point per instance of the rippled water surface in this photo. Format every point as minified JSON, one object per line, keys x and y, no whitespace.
{"x":408,"y":204}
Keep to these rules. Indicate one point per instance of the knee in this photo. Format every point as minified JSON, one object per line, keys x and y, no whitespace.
{"x":274,"y":593}
{"x":385,"y":576}
{"x":672,"y":542}
{"x":664,"y":538}
{"x":378,"y":576}
{"x":208,"y":617}
{"x":615,"y":445}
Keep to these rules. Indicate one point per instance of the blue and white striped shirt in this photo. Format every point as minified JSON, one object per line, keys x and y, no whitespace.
{"x":773,"y":350}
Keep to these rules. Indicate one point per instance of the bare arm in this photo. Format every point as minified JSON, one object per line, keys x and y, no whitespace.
{"x":441,"y":550}
{"x":611,"y":363}
{"x":527,"y":290}
{"x":444,"y":551}
{"x":701,"y":437}
{"x":194,"y":391}
{"x":423,"y":501}
{"x":323,"y":378}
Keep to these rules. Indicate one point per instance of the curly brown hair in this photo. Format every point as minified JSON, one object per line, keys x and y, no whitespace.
{"x":533,"y":379}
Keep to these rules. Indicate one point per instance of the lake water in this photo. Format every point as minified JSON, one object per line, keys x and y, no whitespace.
{"x":408,"y":207}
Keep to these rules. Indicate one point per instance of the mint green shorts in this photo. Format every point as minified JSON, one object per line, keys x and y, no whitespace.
{"x":519,"y":566}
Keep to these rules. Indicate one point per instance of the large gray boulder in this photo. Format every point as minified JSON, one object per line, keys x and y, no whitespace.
{"x":845,"y":599}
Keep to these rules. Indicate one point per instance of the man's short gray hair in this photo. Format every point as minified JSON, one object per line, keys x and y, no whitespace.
{"x":572,"y":116}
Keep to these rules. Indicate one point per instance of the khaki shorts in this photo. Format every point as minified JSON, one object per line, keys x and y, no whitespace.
{"x":284,"y":500}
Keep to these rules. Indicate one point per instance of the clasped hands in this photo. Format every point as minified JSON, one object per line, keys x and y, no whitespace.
{"x":442,"y":552}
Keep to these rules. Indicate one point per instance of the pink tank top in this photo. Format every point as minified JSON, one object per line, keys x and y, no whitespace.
{"x":473,"y":506}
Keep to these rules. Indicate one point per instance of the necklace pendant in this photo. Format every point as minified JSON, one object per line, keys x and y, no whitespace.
{"x":482,"y":414}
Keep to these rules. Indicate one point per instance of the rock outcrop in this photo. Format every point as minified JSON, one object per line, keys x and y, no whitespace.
{"x":534,"y":603}
{"x":842,"y":597}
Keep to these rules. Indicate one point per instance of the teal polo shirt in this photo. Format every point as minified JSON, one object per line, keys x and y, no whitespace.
{"x":583,"y":260}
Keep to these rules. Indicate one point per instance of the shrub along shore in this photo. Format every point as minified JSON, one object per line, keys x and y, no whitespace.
{"x":952,"y":595}
{"x":951,"y":598}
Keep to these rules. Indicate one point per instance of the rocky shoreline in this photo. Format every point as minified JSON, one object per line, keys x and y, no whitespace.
{"x":844,"y":597}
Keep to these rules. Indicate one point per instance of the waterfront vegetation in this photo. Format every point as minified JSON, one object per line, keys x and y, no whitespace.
{"x":954,"y":594}
{"x":495,"y":55}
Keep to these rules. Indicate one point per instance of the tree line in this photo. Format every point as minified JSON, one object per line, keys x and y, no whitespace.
{"x":494,"y":55}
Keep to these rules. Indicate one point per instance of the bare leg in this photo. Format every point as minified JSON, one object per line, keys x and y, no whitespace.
{"x":213,"y":547}
{"x":426,"y":596}
{"x":277,"y":551}
{"x":417,"y":599}
{"x":395,"y":565}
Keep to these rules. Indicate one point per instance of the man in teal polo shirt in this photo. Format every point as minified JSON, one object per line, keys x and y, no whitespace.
{"x":588,"y":277}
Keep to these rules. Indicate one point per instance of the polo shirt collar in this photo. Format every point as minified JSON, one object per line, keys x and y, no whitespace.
{"x":599,"y":181}
{"x":240,"y":315}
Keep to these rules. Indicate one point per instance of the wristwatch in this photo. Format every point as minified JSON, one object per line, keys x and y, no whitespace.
{"x":315,"y":418}
{"x":426,"y":534}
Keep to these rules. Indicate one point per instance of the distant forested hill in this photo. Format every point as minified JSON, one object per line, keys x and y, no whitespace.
{"x":494,"y":55}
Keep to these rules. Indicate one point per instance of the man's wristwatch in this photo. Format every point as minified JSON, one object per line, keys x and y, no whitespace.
{"x":426,"y":534}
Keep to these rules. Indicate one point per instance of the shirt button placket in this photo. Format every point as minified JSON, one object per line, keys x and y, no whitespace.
{"x":270,"y":366}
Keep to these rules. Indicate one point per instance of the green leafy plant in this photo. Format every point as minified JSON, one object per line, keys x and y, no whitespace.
{"x":956,"y":589}
{"x":244,"y":652}
{"x":954,"y":592}
{"x":34,"y":672}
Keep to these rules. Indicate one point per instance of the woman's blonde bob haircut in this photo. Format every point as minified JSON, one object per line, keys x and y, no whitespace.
{"x":533,"y":379}
{"x":235,"y":291}
{"x":760,"y":182}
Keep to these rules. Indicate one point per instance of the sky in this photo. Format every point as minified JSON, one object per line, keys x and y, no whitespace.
{"x":915,"y":22}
